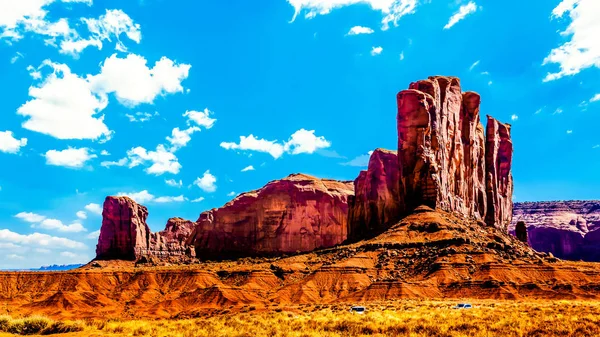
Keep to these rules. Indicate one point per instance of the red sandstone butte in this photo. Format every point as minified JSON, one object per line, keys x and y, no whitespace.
{"x":125,"y":235}
{"x":442,"y":153}
{"x":299,"y":213}
{"x":499,"y":180}
{"x":375,"y":205}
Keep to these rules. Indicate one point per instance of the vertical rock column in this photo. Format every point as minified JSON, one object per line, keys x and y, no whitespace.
{"x":499,"y":180}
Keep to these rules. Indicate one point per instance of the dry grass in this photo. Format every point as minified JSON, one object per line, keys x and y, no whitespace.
{"x":402,"y":318}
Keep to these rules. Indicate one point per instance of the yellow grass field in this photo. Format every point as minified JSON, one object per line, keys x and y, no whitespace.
{"x":401,"y":318}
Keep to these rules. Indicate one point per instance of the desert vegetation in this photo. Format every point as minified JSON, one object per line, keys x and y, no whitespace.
{"x":401,"y":318}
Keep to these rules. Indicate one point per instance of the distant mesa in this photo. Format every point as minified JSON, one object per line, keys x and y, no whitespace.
{"x":445,"y":160}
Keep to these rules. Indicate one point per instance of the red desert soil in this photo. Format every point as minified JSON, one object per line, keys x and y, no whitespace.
{"x":429,"y":254}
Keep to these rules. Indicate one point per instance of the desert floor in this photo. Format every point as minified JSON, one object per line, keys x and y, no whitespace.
{"x":392,"y":318}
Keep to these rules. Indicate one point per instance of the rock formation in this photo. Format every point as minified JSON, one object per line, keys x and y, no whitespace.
{"x":125,"y":235}
{"x":444,"y":159}
{"x":299,"y":213}
{"x":499,"y":181}
{"x":567,"y":229}
{"x":375,"y":203}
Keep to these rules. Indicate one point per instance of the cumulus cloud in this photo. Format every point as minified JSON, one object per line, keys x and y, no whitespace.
{"x":134,"y":83}
{"x":53,"y":224}
{"x":301,"y":141}
{"x":376,"y":50}
{"x":81,"y":215}
{"x":71,"y":157}
{"x":357,"y":30}
{"x":582,"y":51}
{"x":94,"y":235}
{"x":141,"y":116}
{"x":174,"y":183}
{"x":180,"y":138}
{"x":392,"y":10}
{"x":207,"y":183}
{"x":596,"y":98}
{"x":198,"y":199}
{"x":462,"y":13}
{"x":30,"y":217}
{"x":120,"y":162}
{"x":200,"y":118}
{"x":162,"y":200}
{"x":139,"y":197}
{"x":94,"y":208}
{"x":514,"y":117}
{"x":39,"y":240}
{"x":248,"y":168}
{"x":160,"y":161}
{"x":231,"y":194}
{"x":64,"y":106}
{"x":10,"y":144}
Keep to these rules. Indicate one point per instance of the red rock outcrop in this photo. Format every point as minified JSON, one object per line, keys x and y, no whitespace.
{"x":299,"y":213}
{"x":499,"y":181}
{"x":375,"y":205}
{"x":125,"y":235}
{"x":441,"y":148}
{"x":567,"y":229}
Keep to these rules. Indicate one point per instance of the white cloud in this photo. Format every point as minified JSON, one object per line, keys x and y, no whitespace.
{"x":248,"y":168}
{"x":252,"y":143}
{"x":139,"y":197}
{"x":401,"y":56}
{"x":71,"y":157}
{"x":161,"y":161}
{"x":113,"y":24}
{"x":15,"y":58}
{"x":376,"y":50}
{"x":15,"y":257}
{"x":161,"y":200}
{"x":120,"y":162}
{"x":558,"y":111}
{"x":64,"y":107}
{"x":583,"y":49}
{"x":304,"y":141}
{"x":301,"y":141}
{"x":180,"y":138}
{"x":596,"y":98}
{"x":39,"y":240}
{"x":357,"y":30}
{"x":174,"y":183}
{"x":475,"y":64}
{"x":30,"y":217}
{"x":94,"y":208}
{"x":10,"y":144}
{"x":462,"y":13}
{"x":133,"y":83}
{"x":569,"y":132}
{"x":207,"y":183}
{"x":198,"y":199}
{"x":231,"y":194}
{"x":141,"y":116}
{"x":94,"y":235}
{"x":514,"y":117}
{"x":200,"y":118}
{"x":596,"y":146}
{"x":392,"y":10}
{"x":81,"y":215}
{"x":53,"y":224}
{"x":105,"y":153}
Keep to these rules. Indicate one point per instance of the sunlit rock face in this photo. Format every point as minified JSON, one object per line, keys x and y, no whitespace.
{"x":445,"y":159}
{"x":375,"y":205}
{"x":299,"y":213}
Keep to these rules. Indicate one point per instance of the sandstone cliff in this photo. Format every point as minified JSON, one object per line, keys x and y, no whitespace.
{"x":375,"y":203}
{"x":299,"y":213}
{"x":125,"y":235}
{"x":445,"y":160}
{"x":567,"y":229}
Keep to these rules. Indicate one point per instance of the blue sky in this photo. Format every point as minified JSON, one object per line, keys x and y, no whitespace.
{"x":182,"y":104}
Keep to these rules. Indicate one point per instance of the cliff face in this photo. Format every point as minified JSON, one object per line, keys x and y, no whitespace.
{"x":445,"y":160}
{"x":567,"y":229}
{"x":125,"y":235}
{"x":375,"y":204}
{"x":299,"y":213}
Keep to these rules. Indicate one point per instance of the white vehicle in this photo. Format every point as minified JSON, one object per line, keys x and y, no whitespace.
{"x":358,"y":310}
{"x":463,"y":306}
